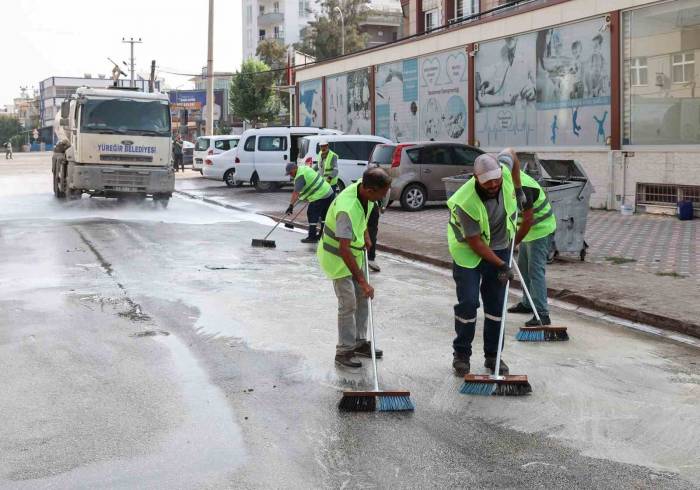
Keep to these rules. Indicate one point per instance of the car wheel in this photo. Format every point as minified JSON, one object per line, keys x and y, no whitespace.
{"x":230,"y":177}
{"x":413,"y":197}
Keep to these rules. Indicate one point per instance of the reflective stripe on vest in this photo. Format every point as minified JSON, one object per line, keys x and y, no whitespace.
{"x":328,"y":251}
{"x":544,"y":222}
{"x":325,"y":166}
{"x":315,"y":187}
{"x":468,"y":200}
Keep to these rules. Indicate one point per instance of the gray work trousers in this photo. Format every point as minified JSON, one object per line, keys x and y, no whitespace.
{"x":352,"y":315}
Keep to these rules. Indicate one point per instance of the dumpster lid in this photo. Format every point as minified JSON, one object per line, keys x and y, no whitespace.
{"x":563,"y":169}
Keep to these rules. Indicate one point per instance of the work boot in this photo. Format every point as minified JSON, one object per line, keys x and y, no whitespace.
{"x":364,"y":350}
{"x":346,"y":360}
{"x":460,"y":363}
{"x":310,"y":239}
{"x":373,"y":266}
{"x":490,"y":364}
{"x":520,"y":308}
{"x":532,"y":322}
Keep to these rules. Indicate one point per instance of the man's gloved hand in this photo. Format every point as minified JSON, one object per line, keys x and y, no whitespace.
{"x":505,"y":274}
{"x":521,"y":198}
{"x":290,"y":209}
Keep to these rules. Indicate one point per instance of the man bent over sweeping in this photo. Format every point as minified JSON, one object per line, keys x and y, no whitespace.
{"x":482,"y":225}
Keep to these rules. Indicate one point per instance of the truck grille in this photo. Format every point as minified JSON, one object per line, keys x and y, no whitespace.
{"x":126,"y":158}
{"x":125,"y":179}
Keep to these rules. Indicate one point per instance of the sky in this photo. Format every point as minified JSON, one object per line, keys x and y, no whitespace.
{"x":44,"y":38}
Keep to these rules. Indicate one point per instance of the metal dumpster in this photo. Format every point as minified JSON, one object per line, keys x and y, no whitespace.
{"x":569,"y":192}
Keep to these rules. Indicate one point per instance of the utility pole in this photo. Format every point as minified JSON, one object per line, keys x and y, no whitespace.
{"x":152,"y":79}
{"x":209,"y":128}
{"x":132,"y":41}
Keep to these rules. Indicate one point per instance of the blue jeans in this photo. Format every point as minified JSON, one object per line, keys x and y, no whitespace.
{"x":532,"y":260}
{"x":469,"y":282}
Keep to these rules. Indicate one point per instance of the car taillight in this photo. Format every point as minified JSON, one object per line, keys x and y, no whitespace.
{"x":210,"y":152}
{"x":396,"y":158}
{"x":237,"y":160}
{"x":309,"y":161}
{"x":207,"y":161}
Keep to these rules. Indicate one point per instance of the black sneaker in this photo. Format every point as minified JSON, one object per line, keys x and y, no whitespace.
{"x":364,"y":351}
{"x":520,"y":308}
{"x":346,"y":360}
{"x":460,"y":363}
{"x":532,"y":322}
{"x":310,"y":239}
{"x":490,"y":364}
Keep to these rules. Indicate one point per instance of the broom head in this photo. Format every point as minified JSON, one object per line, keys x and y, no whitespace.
{"x":259,"y":242}
{"x":376,"y":401}
{"x":485,"y":384}
{"x":542,"y":334}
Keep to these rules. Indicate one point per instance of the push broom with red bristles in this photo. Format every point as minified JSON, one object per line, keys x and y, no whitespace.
{"x":496,"y":383}
{"x":541,"y":333}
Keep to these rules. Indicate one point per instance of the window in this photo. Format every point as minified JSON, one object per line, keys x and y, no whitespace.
{"x":250,"y":36}
{"x":276,"y":7}
{"x":261,"y":10}
{"x":124,"y":116}
{"x":249,"y":144}
{"x":661,"y":103}
{"x":437,"y":155}
{"x":683,"y":67}
{"x":465,"y":8}
{"x":272,"y":143}
{"x":464,"y":155}
{"x":413,"y":155}
{"x":303,"y":8}
{"x":261,"y":34}
{"x":225,"y":144}
{"x":431,"y":19}
{"x":249,"y":12}
{"x":638,"y":72}
{"x":383,"y":154}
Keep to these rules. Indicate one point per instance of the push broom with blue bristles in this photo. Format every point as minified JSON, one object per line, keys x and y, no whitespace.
{"x":541,"y":333}
{"x":376,"y":399}
{"x":496,"y":383}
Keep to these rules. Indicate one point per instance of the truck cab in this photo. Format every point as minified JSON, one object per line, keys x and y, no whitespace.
{"x":114,"y":143}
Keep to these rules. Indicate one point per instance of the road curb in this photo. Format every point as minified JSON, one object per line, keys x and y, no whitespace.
{"x":638,"y":316}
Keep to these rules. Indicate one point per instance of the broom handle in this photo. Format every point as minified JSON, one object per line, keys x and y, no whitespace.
{"x":280,"y":221}
{"x":527,"y":293}
{"x":371,"y":327}
{"x":504,"y":310}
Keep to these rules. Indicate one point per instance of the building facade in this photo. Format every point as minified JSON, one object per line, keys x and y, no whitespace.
{"x":611,"y":84}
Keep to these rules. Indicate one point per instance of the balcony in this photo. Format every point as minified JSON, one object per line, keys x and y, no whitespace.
{"x":269,"y":18}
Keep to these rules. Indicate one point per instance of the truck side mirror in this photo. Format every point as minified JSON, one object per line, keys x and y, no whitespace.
{"x":65,"y":109}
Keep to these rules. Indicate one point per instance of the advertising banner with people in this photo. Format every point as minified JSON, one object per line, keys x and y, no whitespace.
{"x":396,"y":100}
{"x":348,"y":102}
{"x":443,"y":96}
{"x":546,"y":88}
{"x":311,"y":103}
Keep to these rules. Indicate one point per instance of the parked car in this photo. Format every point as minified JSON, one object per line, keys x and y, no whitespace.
{"x":417,"y":169}
{"x":222,"y":167}
{"x":187,"y":152}
{"x":264,"y":153}
{"x":353,"y":153}
{"x":212,"y":145}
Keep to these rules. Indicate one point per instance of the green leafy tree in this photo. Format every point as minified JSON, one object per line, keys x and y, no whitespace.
{"x":252,"y":95}
{"x":322,"y":38}
{"x":9,"y":128}
{"x":274,"y":54}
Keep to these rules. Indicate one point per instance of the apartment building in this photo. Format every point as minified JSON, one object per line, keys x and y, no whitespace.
{"x":612,"y":84}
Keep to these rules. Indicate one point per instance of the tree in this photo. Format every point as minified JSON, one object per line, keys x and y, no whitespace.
{"x":9,"y":127}
{"x":322,"y":38}
{"x":274,"y":54}
{"x":253,"y":97}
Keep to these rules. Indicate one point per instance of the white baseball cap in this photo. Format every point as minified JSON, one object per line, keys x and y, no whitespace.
{"x":323,"y":142}
{"x":486,"y":168}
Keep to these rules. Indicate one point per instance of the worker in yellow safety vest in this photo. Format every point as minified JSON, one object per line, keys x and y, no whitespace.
{"x":341,"y":253}
{"x":328,"y":164}
{"x":309,"y":186}
{"x":481,"y":228}
{"x":535,"y":247}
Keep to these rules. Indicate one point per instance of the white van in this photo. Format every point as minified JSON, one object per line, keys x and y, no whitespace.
{"x":353,"y":153}
{"x":264,"y":153}
{"x":211,"y":145}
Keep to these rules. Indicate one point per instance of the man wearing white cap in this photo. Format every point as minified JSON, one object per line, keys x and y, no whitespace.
{"x":482,"y":225}
{"x":328,"y":164}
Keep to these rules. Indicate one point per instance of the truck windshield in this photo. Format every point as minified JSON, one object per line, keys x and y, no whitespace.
{"x":126,"y":116}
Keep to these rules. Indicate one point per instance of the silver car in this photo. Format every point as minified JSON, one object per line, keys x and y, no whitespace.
{"x":417,"y":169}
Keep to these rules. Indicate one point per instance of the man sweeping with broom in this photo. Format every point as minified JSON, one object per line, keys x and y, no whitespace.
{"x":481,"y":227}
{"x":310,"y":186}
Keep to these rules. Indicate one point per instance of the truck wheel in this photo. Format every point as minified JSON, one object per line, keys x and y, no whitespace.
{"x":57,"y":191}
{"x":230,"y":178}
{"x":162,"y":200}
{"x":73,"y":194}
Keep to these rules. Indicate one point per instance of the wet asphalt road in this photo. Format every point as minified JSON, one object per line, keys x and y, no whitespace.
{"x":151,"y":348}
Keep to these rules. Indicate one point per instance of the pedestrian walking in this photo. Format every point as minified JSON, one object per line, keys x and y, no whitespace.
{"x":177,"y":154}
{"x":311,"y":187}
{"x":341,"y":256}
{"x":328,"y":164}
{"x":481,"y":227}
{"x":8,"y":151}
{"x":535,"y":246}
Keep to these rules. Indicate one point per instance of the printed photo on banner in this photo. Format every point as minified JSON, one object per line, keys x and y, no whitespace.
{"x":348,"y":102}
{"x":310,"y":103}
{"x":396,"y":100}
{"x":548,"y":88}
{"x":442,"y":96}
